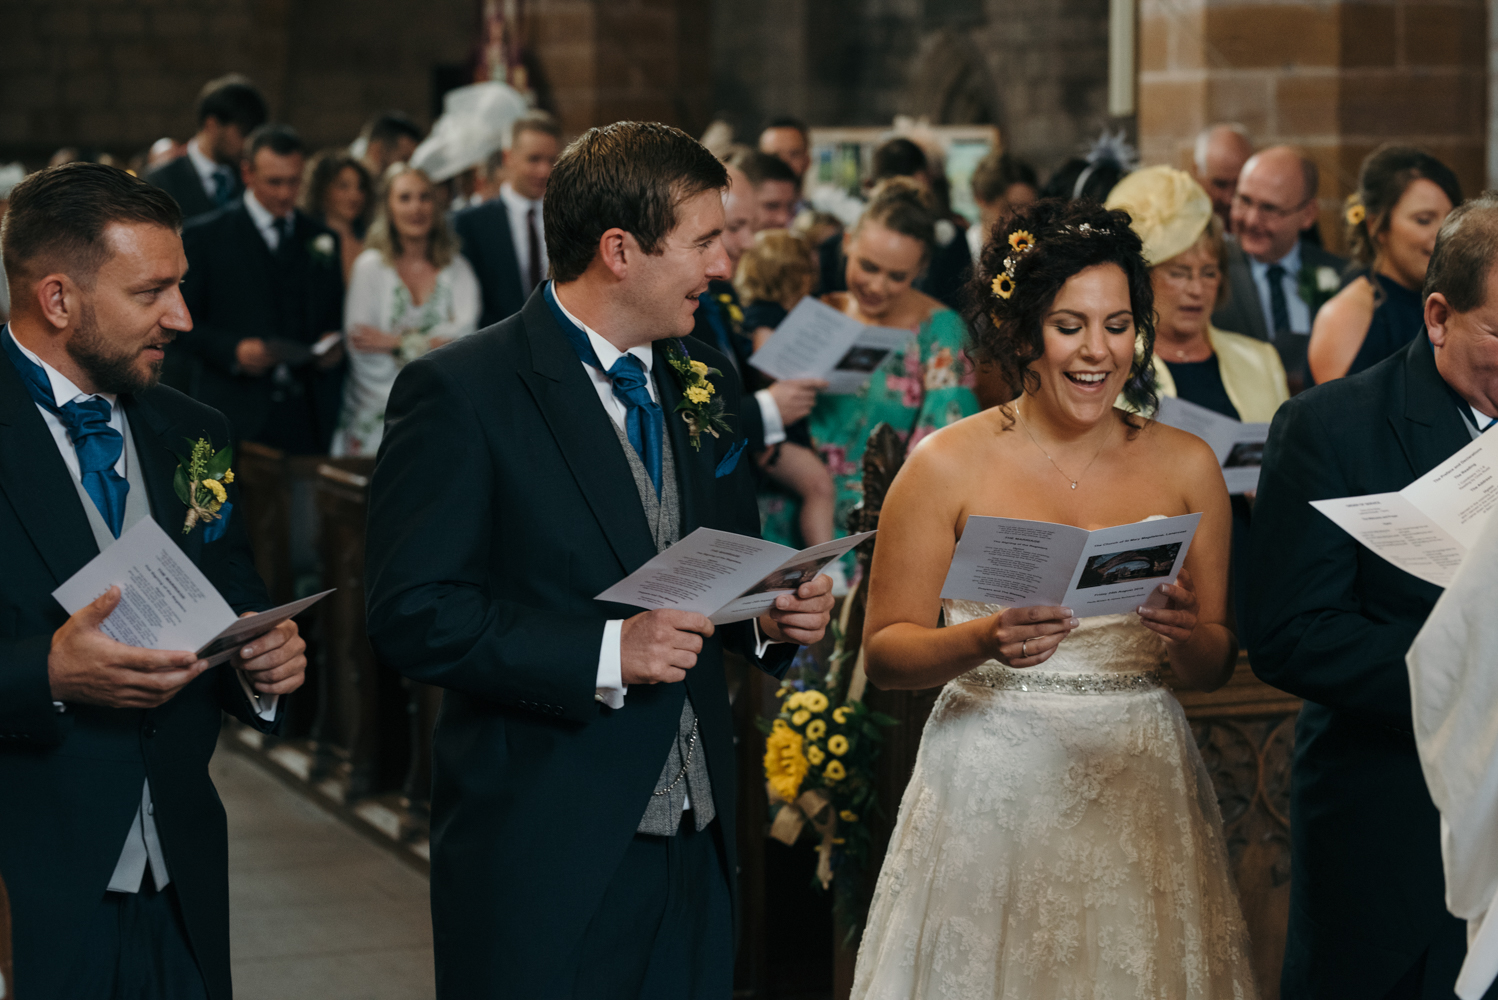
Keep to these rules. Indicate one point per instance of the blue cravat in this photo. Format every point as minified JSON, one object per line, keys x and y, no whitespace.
{"x":644,"y":422}
{"x":98,"y":445}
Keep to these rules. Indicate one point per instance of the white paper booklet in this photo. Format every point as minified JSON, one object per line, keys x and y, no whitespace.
{"x":1427,"y":528}
{"x":727,"y":577}
{"x":818,"y":341}
{"x":1110,"y":571}
{"x":1239,"y":447}
{"x":165,"y":601}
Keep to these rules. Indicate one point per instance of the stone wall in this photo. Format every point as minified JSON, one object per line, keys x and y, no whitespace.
{"x":1335,"y":78}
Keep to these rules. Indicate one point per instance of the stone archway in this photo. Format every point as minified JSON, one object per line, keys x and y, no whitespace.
{"x":950,"y":83}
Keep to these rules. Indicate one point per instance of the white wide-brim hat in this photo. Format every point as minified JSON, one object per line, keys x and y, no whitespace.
{"x":475,"y":124}
{"x":1170,"y":211}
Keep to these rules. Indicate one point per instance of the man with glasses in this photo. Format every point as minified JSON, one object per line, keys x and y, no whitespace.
{"x":1277,"y":282}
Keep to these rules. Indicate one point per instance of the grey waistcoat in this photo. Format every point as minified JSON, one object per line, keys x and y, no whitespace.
{"x":663,"y":813}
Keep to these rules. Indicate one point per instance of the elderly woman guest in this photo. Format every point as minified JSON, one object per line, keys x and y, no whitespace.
{"x":916,"y":390}
{"x":1403,"y":197}
{"x":1237,"y":376}
{"x":411,"y":291}
{"x":338,"y":193}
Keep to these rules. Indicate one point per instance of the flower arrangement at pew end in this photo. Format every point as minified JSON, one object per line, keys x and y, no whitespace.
{"x":200,"y":480}
{"x":819,"y":772}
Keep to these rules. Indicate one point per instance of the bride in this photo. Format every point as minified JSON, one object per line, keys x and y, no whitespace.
{"x":1059,"y":837}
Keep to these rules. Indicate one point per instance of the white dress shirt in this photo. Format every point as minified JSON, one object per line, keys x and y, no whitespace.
{"x":264,"y":221}
{"x":1300,"y":312}
{"x":208,"y":169}
{"x":518,"y":207}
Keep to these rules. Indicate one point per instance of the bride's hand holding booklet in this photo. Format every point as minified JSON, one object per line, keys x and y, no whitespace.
{"x":1109,"y":571}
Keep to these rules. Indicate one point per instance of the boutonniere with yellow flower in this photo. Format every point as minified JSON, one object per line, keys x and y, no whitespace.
{"x":200,"y":482}
{"x":700,"y":405}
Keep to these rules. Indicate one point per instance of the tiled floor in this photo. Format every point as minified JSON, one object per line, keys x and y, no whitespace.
{"x":317,"y":912}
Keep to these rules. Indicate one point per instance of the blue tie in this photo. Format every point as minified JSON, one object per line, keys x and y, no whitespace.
{"x":98,"y":445}
{"x":223,"y":186}
{"x":1279,"y":306}
{"x":644,"y":422}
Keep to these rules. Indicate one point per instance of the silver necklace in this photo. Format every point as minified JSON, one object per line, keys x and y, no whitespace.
{"x":1047,"y":454}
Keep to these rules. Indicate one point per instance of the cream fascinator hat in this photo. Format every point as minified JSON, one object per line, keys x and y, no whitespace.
{"x":1169,"y":210}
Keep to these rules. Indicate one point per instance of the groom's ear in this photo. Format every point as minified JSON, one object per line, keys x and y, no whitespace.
{"x":614,"y":248}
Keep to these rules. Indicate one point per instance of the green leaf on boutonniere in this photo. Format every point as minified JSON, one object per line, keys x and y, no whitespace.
{"x":700,"y":406}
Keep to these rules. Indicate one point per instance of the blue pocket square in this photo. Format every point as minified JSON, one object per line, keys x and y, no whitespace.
{"x":731,"y":460}
{"x":214,"y":530}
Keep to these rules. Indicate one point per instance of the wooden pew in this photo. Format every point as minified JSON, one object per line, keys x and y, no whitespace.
{"x":1245,"y":731}
{"x":7,"y":974}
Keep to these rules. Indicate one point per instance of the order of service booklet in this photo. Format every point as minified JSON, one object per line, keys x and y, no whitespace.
{"x":727,"y":577}
{"x":1427,"y":528}
{"x":165,"y":600}
{"x":1239,"y":447}
{"x":817,"y":341}
{"x":1109,"y":571}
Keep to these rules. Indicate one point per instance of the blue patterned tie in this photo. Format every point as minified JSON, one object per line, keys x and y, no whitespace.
{"x":98,"y":445}
{"x":644,"y":422}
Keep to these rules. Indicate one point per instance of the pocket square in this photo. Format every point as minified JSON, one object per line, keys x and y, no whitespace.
{"x":214,"y":530}
{"x":731,"y":460}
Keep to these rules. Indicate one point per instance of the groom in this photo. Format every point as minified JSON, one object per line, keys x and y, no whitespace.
{"x":583,"y":786}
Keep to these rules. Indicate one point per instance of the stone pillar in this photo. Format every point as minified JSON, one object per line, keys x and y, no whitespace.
{"x":1335,"y":77}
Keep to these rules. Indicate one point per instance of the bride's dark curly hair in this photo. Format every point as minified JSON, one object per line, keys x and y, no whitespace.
{"x":1068,"y":237}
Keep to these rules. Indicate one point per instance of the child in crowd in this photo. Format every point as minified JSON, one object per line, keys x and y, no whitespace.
{"x":776,"y":272}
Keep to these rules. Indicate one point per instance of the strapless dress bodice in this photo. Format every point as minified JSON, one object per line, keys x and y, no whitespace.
{"x":1103,"y":654}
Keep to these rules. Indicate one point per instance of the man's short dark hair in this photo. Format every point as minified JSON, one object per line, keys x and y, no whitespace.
{"x":388,"y":127}
{"x":536,"y":121}
{"x":279,"y":139}
{"x":58,"y":216}
{"x":760,"y":167}
{"x":898,"y":158}
{"x":1465,"y":254}
{"x":995,"y":175}
{"x":785,"y":121}
{"x":628,"y":175}
{"x":233,"y":100}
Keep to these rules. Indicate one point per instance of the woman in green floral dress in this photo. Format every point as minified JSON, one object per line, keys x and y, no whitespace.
{"x":926,"y":386}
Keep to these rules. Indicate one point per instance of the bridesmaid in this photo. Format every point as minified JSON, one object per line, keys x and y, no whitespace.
{"x":1403,"y":196}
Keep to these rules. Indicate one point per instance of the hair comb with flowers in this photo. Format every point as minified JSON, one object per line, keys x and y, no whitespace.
{"x":1021,"y":242}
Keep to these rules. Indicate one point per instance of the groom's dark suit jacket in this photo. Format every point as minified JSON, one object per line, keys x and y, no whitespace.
{"x":501,"y":503}
{"x":1330,"y":621}
{"x":70,"y":783}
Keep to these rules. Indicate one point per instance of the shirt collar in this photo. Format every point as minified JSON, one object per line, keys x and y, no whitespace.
{"x":1290,"y":262}
{"x":205,"y":165}
{"x":607,"y":352}
{"x":259,"y":214}
{"x":515,"y":200}
{"x":63,"y":389}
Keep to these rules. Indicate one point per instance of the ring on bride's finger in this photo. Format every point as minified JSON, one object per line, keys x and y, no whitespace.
{"x":1024,"y":649}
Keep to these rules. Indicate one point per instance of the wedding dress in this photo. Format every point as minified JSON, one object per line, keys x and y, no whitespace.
{"x":1059,"y":839}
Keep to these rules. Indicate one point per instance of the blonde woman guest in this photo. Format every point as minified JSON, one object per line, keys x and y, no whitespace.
{"x":338,"y":193}
{"x":917,"y":390}
{"x":1403,"y":196}
{"x":410,"y":292}
{"x":775,"y":273}
{"x":1237,"y":376}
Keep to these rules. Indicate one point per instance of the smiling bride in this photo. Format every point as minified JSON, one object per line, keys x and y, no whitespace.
{"x":1059,"y":837}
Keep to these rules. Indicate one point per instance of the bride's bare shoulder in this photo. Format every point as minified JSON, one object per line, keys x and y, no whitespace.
{"x":953,"y":449}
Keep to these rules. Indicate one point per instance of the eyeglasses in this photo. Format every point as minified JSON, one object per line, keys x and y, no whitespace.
{"x":1245,"y":204}
{"x":1180,"y":274}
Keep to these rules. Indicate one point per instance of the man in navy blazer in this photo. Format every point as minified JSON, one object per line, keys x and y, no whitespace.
{"x":206,"y":177}
{"x":1330,"y":621}
{"x":584,"y":767}
{"x":503,"y":238}
{"x":113,"y":843}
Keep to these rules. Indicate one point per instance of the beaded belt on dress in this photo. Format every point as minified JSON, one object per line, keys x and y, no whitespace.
{"x":997,"y":675}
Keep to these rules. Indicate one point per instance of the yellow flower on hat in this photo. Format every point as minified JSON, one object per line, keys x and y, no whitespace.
{"x":1003,"y":286}
{"x":834,"y":772}
{"x":1021,"y":240}
{"x":838,"y":744}
{"x":1356,"y":213}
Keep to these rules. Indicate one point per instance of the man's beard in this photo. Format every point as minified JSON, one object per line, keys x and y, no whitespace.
{"x":113,"y":370}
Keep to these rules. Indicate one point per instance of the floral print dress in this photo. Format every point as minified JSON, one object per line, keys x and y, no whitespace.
{"x":916,"y":391}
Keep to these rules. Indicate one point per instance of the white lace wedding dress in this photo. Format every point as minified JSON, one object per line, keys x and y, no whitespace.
{"x":1059,"y":840}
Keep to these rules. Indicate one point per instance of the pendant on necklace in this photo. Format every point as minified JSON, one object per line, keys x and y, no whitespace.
{"x":1073,"y":485}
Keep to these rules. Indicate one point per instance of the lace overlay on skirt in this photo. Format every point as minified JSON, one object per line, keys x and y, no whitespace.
{"x":1058,"y":840}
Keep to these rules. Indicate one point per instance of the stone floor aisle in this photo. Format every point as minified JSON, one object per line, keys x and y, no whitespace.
{"x":317,"y":912}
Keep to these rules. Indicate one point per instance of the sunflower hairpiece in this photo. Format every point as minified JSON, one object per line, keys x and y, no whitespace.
{"x":1356,"y":213}
{"x":1021,"y":241}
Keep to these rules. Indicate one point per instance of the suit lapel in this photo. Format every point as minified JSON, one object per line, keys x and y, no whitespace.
{"x":1430,"y":428}
{"x":158,"y":439}
{"x":1247,"y":293}
{"x":588,"y":444}
{"x":36,"y":481}
{"x":691,"y":472}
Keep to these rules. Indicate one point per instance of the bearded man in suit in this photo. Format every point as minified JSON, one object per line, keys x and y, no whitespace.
{"x":1330,"y":621}
{"x":584,"y":770}
{"x":113,"y":844}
